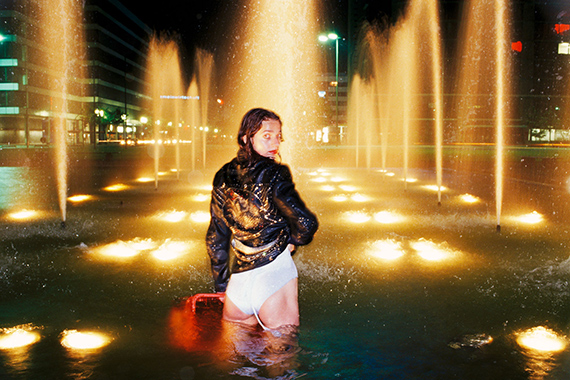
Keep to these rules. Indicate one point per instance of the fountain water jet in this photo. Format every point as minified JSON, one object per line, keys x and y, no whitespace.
{"x":62,"y":33}
{"x":275,"y":67}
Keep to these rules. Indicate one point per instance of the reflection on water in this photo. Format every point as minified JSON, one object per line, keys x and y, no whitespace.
{"x":236,"y":349}
{"x":370,"y":303}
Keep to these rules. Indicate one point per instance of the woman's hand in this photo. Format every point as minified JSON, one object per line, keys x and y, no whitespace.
{"x":291,"y":248}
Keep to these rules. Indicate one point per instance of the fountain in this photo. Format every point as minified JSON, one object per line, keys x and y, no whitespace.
{"x":393,"y":286}
{"x":62,"y":34}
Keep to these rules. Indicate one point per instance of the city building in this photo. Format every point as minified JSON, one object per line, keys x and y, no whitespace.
{"x":104,"y":85}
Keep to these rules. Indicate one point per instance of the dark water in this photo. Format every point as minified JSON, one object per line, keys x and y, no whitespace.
{"x":362,"y":317}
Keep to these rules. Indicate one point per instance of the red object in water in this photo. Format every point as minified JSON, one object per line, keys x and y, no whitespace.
{"x":516,"y":46}
{"x":205,"y":299}
{"x":561,"y":28}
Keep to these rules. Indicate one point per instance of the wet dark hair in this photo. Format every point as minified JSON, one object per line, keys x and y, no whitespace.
{"x":250,"y":125}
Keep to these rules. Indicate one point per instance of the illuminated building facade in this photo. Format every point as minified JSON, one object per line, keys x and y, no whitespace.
{"x":112,"y":84}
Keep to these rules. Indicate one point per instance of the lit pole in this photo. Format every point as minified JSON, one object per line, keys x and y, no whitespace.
{"x":325,"y":38}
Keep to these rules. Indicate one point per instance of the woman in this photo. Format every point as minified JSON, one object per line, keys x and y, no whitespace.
{"x":256,"y":210}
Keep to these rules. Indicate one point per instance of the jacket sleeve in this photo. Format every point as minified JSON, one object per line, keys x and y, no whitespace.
{"x":218,"y":244}
{"x":302,"y":222}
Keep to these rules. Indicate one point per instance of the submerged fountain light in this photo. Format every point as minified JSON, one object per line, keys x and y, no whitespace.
{"x":17,"y":337}
{"x":468,"y":198}
{"x":435,"y":188}
{"x":116,"y":187}
{"x":172,"y":216}
{"x":347,"y":188}
{"x":200,"y":217}
{"x":357,"y":217}
{"x":359,"y":198}
{"x":87,"y":340}
{"x":171,"y":250}
{"x":340,"y":198}
{"x":145,"y":179}
{"x":200,"y":197}
{"x":530,"y":218}
{"x":24,"y":215}
{"x":388,"y":217}
{"x":541,"y":339}
{"x":125,"y":249}
{"x":387,"y":249}
{"x":79,"y":198}
{"x":319,"y":179}
{"x":327,"y":188}
{"x":431,"y":251}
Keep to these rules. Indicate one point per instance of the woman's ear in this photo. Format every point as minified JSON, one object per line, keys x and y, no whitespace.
{"x":244,"y":139}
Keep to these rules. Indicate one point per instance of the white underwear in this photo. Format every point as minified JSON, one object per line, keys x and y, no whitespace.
{"x":250,"y":289}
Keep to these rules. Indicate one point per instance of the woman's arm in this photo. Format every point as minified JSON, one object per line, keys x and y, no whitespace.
{"x":218,"y":239}
{"x":302,"y":222}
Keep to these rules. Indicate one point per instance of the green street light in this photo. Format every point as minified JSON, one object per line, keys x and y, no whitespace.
{"x":334,"y":37}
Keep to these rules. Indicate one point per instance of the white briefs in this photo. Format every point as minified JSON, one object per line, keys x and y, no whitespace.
{"x":250,"y":289}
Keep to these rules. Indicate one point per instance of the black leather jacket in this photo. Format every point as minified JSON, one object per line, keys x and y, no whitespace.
{"x":257,"y":211}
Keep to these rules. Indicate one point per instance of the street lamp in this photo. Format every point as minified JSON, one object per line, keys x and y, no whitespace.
{"x":335,"y":37}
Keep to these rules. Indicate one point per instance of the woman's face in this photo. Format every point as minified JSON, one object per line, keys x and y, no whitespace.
{"x":267,"y":140}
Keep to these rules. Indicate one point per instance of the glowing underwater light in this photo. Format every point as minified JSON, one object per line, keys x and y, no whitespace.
{"x":88,"y":340}
{"x":387,"y":249}
{"x":116,"y":187}
{"x":327,"y":188}
{"x":319,"y":179}
{"x":531,"y":218}
{"x":468,"y":198}
{"x":541,"y":339}
{"x":388,"y":217}
{"x":19,"y":336}
{"x":435,"y":187}
{"x":389,"y":174}
{"x":23,"y":215}
{"x":359,"y":198}
{"x":340,"y":198}
{"x":173,"y":216}
{"x":79,"y":198}
{"x":200,"y":217}
{"x":357,"y":217}
{"x":337,"y":179}
{"x":347,"y":188}
{"x":200,"y":197}
{"x":171,"y":250}
{"x":410,"y":180}
{"x":145,"y":179}
{"x":125,"y":248}
{"x":430,"y":251}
